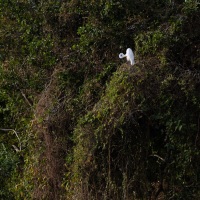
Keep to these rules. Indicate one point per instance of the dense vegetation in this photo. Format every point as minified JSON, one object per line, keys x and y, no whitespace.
{"x":76,"y":122}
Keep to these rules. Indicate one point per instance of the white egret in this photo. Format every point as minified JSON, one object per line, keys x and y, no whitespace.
{"x":129,"y":56}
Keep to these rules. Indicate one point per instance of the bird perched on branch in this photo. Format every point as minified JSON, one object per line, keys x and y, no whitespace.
{"x":129,"y":56}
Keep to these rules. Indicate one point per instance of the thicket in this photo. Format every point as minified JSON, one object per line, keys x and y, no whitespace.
{"x":76,"y":122}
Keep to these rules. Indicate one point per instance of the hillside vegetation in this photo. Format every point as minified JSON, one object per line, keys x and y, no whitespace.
{"x":77,"y":122}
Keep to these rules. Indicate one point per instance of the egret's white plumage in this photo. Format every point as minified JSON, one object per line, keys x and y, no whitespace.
{"x":129,"y":56}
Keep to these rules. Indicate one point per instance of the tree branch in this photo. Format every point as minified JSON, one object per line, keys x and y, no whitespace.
{"x":15,"y":132}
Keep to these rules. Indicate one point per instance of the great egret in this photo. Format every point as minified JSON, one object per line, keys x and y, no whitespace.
{"x":129,"y":56}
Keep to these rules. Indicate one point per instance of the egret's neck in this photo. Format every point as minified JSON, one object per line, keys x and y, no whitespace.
{"x":123,"y":55}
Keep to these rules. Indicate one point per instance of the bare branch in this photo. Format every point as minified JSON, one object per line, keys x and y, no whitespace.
{"x":157,"y":156}
{"x":15,"y":132}
{"x":26,"y":99}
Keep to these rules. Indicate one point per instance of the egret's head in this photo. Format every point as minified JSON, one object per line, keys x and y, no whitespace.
{"x":121,"y":55}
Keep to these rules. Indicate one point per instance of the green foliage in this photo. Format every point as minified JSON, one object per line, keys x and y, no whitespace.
{"x":8,"y":163}
{"x":150,"y":42}
{"x":106,"y":131}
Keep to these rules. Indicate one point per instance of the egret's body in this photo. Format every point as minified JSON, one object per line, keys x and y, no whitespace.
{"x":129,"y":56}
